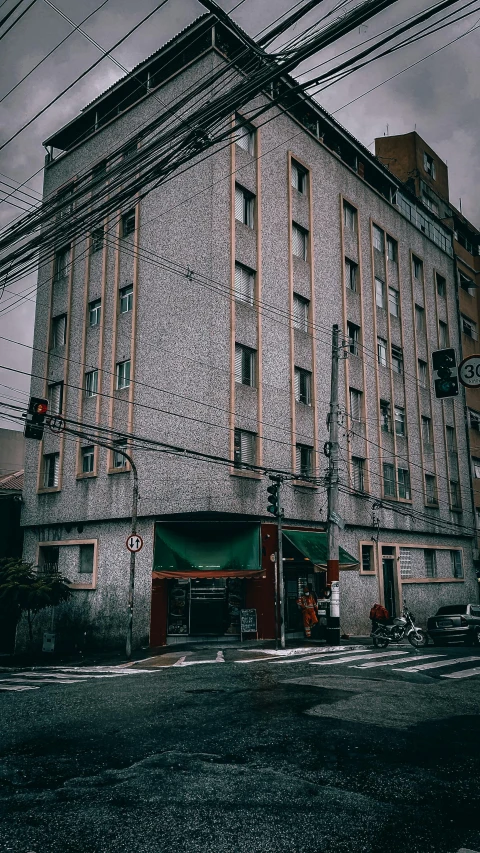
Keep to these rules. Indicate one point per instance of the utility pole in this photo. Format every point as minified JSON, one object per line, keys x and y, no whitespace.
{"x":275,"y":507}
{"x":333,"y":574}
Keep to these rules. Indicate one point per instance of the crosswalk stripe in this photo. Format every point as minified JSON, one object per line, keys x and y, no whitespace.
{"x":298,"y":659}
{"x":17,"y":688}
{"x":437,"y":663}
{"x":463,"y":673}
{"x":366,"y":656}
{"x":392,"y":662}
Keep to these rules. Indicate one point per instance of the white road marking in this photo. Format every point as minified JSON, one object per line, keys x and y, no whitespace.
{"x":310,"y":656}
{"x":355,"y":657}
{"x":182,"y":662}
{"x":438,"y":663}
{"x":464,"y":850}
{"x":464,"y":673}
{"x":17,"y":689}
{"x":392,"y":662}
{"x":302,"y":650}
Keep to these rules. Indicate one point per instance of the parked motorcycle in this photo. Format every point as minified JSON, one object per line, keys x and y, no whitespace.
{"x":404,"y":625}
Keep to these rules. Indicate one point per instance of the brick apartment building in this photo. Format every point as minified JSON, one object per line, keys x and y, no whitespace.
{"x":201,"y":316}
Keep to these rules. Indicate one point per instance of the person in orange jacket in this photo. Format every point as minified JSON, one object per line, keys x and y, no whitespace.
{"x":309,"y":607}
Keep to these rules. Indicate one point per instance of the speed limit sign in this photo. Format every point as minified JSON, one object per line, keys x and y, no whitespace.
{"x":469,"y":371}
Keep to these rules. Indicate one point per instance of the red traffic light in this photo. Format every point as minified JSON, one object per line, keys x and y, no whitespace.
{"x":41,"y":409}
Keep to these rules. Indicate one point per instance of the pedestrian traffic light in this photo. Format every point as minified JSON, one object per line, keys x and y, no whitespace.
{"x":37,"y":409}
{"x":445,"y":373}
{"x":272,"y":492}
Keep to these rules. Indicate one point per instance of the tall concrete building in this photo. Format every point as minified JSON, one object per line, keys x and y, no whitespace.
{"x":410,"y":158}
{"x":200,"y":317}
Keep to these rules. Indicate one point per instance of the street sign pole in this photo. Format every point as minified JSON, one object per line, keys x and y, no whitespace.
{"x":131,"y":585}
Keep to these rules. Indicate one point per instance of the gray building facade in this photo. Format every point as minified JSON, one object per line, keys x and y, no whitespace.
{"x":200,"y":317}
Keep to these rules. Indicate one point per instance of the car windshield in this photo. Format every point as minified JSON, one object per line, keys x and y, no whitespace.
{"x":451,"y":609}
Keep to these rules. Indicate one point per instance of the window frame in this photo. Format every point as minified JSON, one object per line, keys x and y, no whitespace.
{"x":431,"y":480}
{"x":372,"y":561}
{"x":417,"y":266}
{"x":430,"y":570}
{"x":88,"y":455}
{"x":94,"y":309}
{"x":382,"y":349}
{"x":55,"y":325}
{"x":51,"y":387}
{"x":121,"y":374}
{"x":49,"y":473}
{"x":389,"y":468}
{"x":353,"y":335}
{"x":248,"y":206}
{"x":396,"y":359}
{"x":97,"y":240}
{"x":244,"y":130}
{"x":91,"y":383}
{"x":303,"y":386}
{"x":441,"y":285}
{"x":443,"y":335}
{"x":304,"y":453}
{"x":119,"y":444}
{"x":393,"y":299}
{"x":245,"y":360}
{"x":358,"y":473}
{"x":127,"y":219}
{"x":392,"y":250}
{"x":378,"y":239}
{"x":422,"y":373}
{"x":379,"y":293}
{"x":302,"y":177}
{"x":400,"y":421}
{"x":385,"y":416}
{"x":404,"y":484}
{"x":238,"y":461}
{"x":303,"y":233}
{"x":247,"y":294}
{"x":125,"y":297}
{"x":351,"y":275}
{"x":350,"y":215}
{"x":301,"y":323}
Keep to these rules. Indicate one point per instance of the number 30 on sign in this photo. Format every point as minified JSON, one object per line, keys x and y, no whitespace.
{"x":469,"y":371}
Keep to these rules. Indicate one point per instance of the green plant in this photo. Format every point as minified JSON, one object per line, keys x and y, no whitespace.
{"x":23,"y":590}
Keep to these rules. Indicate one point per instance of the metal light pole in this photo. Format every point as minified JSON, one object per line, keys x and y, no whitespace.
{"x":333,"y":572}
{"x":280,"y":568}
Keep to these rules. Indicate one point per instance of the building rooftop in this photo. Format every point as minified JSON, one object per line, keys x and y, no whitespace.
{"x":12,"y":482}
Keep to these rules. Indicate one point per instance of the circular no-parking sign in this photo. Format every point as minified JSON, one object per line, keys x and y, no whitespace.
{"x":469,"y":371}
{"x":134,"y":543}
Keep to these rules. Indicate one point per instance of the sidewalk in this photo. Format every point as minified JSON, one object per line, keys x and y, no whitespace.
{"x":112,"y":658}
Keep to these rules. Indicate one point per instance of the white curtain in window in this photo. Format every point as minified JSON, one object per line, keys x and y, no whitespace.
{"x":247,"y":447}
{"x":239,"y":204}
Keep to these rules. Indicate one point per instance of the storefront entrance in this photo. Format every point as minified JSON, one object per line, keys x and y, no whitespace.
{"x":205,"y":606}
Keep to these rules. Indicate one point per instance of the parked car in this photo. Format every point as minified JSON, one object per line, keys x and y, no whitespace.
{"x":455,"y":622}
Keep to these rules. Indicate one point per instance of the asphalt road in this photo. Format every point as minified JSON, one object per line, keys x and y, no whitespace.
{"x":228,"y":751}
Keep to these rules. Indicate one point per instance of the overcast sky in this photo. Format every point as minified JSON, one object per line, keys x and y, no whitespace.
{"x":439,"y":97}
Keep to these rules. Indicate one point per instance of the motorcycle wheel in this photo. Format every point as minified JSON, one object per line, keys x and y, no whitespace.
{"x":380,"y":642}
{"x":418,"y":638}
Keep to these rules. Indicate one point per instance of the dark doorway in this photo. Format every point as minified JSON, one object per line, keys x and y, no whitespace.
{"x":388,"y":569}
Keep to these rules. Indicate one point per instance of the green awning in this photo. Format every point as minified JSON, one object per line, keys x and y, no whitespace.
{"x":206,"y":549}
{"x":313,"y":545}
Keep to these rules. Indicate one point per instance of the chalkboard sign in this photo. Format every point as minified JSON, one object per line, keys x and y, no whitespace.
{"x":248,"y":622}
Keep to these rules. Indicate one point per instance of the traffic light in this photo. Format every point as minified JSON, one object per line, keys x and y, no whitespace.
{"x":272,"y":492}
{"x":37,"y":409}
{"x":445,"y":373}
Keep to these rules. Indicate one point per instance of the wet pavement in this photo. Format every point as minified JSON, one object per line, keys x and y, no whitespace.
{"x":221,"y":750}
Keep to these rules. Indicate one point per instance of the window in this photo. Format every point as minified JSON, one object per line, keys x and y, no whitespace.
{"x":393,"y":302}
{"x":128,"y":223}
{"x":475,"y":468}
{"x":397,"y":359}
{"x":244,"y":135}
{"x":443,"y":336}
{"x":378,"y":239}
{"x":119,"y":460}
{"x":351,"y":274}
{"x":245,"y":448}
{"x":50,"y":470}
{"x":403,"y":479}
{"x":300,"y":312}
{"x":358,"y":471}
{"x":353,"y":332}
{"x":244,"y":206}
{"x":64,"y":203}
{"x":426,"y":432}
{"x":303,"y":458}
{"x":368,"y":558}
{"x":85,"y":565}
{"x":429,"y":165}
{"x":389,"y":489}
{"x":422,"y":373}
{"x":244,"y":365}
{"x":430,"y":203}
{"x":126,"y":299}
{"x":379,"y":293}
{"x":382,"y":351}
{"x":94,"y":312}
{"x":392,"y":250}
{"x":441,"y":285}
{"x":477,"y":512}
{"x":349,"y":216}
{"x":474,"y":420}
{"x":451,"y":440}
{"x":123,"y":374}
{"x":417,"y":268}
{"x":399,"y":420}
{"x":88,"y":459}
{"x":420,"y":319}
{"x":430,"y":558}
{"x":55,"y":398}
{"x":464,"y":241}
{"x":59,"y":330}
{"x":355,"y":404}
{"x":61,"y":263}
{"x":457,"y":568}
{"x":385,"y":415}
{"x":469,"y":327}
{"x":299,"y":177}
{"x":299,"y":242}
{"x":97,"y":240}
{"x":431,"y":489}
{"x":244,"y":284}
{"x":455,"y":496}
{"x":405,"y":563}
{"x":91,"y":383}
{"x":467,"y":284}
{"x":303,"y":386}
